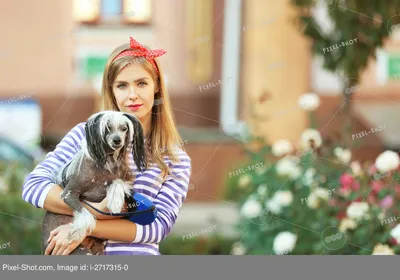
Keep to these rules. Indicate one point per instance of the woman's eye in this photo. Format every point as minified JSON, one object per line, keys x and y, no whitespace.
{"x":121,"y":86}
{"x":142,"y":84}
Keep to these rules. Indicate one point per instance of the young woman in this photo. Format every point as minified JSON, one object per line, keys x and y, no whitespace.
{"x":133,"y":83}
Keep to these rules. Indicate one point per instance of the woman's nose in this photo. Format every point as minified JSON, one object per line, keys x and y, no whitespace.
{"x":132,"y":93}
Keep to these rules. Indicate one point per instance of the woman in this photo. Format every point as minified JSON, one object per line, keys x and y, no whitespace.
{"x":132,"y":82}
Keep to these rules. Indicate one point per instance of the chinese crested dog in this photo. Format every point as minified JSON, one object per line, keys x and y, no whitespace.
{"x":99,"y":170}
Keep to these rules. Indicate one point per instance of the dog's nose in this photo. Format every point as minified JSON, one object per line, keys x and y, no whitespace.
{"x":117,"y":141}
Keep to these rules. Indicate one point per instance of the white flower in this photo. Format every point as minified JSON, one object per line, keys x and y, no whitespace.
{"x":309,"y":101}
{"x":346,"y":224}
{"x":395,"y":233}
{"x":238,"y":249}
{"x":284,"y":242}
{"x":381,"y":249}
{"x":251,"y":209}
{"x":262,"y":190}
{"x":284,"y":198}
{"x":357,"y":210}
{"x":282,"y":147}
{"x":274,"y":206}
{"x":244,"y":181}
{"x":356,"y":168}
{"x":288,"y":166}
{"x":309,"y":135}
{"x":321,"y":193}
{"x":343,"y":155}
{"x":312,"y":201}
{"x":308,"y":177}
{"x":387,"y":161}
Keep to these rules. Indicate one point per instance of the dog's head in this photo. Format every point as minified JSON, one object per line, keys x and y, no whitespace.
{"x":110,"y":132}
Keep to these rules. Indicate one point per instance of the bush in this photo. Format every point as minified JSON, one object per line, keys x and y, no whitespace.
{"x":311,"y":199}
{"x":20,"y":231}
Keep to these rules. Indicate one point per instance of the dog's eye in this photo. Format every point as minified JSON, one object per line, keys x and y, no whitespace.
{"x":124,"y":128}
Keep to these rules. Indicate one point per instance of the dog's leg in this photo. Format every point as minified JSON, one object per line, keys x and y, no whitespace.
{"x":116,"y":195}
{"x":83,"y":221}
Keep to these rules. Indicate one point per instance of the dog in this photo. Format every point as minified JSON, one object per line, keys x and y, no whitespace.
{"x":99,"y":170}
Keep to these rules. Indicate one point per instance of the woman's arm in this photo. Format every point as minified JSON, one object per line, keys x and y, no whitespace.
{"x":168,"y":203}
{"x":55,"y":204}
{"x":39,"y":182}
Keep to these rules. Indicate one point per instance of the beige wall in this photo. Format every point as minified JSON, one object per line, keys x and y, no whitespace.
{"x":42,"y":42}
{"x":36,"y":52}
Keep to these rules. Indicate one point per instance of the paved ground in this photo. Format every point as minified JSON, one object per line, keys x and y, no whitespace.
{"x":206,"y":218}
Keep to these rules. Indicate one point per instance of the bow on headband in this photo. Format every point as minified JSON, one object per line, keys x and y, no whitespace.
{"x":142,"y":52}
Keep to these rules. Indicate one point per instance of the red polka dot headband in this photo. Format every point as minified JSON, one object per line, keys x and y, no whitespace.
{"x":142,"y":52}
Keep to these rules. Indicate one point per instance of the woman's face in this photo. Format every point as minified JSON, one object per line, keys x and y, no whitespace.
{"x":134,"y":91}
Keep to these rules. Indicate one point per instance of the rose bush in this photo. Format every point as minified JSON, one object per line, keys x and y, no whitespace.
{"x":312,"y":198}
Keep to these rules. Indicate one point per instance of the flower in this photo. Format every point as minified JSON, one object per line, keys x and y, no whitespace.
{"x":244,"y":181}
{"x":273,"y":206}
{"x":309,"y":136}
{"x":287,"y":166}
{"x":348,"y":183}
{"x":238,"y":249}
{"x":316,"y":196}
{"x":312,"y":201}
{"x":377,"y":186}
{"x":284,"y":198}
{"x":282,"y":147}
{"x":251,"y":209}
{"x":308,"y":177}
{"x":387,"y":161}
{"x":346,"y":224}
{"x":356,"y":168}
{"x":321,"y":193}
{"x":309,"y":101}
{"x":262,"y":190}
{"x":381,"y":249}
{"x":357,"y":210}
{"x":284,"y":241}
{"x":395,"y":233}
{"x":343,"y":155}
{"x":386,"y":202}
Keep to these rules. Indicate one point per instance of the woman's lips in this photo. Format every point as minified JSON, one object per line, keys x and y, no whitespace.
{"x":135,"y":107}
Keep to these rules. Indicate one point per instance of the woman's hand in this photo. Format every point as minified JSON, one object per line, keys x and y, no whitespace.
{"x":59,"y":242}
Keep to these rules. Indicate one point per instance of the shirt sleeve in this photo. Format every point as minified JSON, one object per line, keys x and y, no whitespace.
{"x":168,"y":202}
{"x":39,"y":182}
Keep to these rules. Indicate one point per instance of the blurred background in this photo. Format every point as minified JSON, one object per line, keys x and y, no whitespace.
{"x":234,"y":68}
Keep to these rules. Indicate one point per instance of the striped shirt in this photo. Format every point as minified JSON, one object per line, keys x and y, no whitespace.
{"x":167,"y":196}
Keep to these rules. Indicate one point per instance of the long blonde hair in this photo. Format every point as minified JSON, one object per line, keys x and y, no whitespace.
{"x":163,"y":137}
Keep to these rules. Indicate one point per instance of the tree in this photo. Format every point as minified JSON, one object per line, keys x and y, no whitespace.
{"x":364,"y":24}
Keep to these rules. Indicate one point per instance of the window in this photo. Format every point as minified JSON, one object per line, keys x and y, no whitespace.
{"x":112,"y":11}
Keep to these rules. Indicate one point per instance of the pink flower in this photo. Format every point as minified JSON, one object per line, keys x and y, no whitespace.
{"x":387,"y":202}
{"x":372,"y":169}
{"x":348,"y":183}
{"x":377,"y":186}
{"x":346,"y":179}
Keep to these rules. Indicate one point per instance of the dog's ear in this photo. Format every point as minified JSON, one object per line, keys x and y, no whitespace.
{"x":137,"y":138}
{"x":95,"y":139}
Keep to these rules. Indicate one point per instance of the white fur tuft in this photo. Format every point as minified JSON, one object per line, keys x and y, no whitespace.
{"x":116,"y":195}
{"x":83,"y":221}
